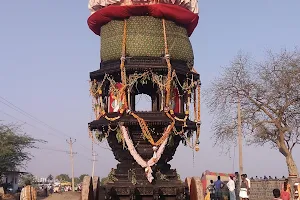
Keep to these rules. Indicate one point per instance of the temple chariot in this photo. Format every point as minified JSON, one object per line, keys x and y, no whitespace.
{"x":144,"y":49}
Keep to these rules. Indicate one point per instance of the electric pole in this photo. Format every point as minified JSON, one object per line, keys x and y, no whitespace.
{"x":70,"y":142}
{"x":94,"y":160}
{"x":94,"y":157}
{"x":240,"y":137}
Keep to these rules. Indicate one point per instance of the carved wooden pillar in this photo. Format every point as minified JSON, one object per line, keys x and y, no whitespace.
{"x":182,"y":100}
{"x":132,"y":101}
{"x":159,"y":102}
{"x":155,"y":102}
{"x":156,"y":195}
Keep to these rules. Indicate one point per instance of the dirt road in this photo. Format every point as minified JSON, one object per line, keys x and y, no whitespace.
{"x":64,"y":196}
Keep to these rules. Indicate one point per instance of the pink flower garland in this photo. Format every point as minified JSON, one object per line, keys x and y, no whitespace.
{"x":156,"y":155}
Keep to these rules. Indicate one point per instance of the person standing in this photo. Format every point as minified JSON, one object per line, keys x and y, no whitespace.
{"x":288,"y":186}
{"x":244,"y":191}
{"x":284,"y":194}
{"x":248,"y":180}
{"x":219,"y":185}
{"x":231,"y":188}
{"x":28,"y":192}
{"x":212,"y":190}
{"x":51,"y":189}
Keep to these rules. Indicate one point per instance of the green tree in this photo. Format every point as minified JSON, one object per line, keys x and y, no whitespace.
{"x":14,"y":145}
{"x":63,"y":178}
{"x":77,"y":180}
{"x":81,"y":177}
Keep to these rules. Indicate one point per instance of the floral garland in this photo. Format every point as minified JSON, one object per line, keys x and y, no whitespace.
{"x":147,"y":133}
{"x":145,"y":164}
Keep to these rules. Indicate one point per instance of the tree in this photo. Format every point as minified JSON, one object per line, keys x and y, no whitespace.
{"x":27,"y":177}
{"x":81,"y":177}
{"x":14,"y":145}
{"x":50,"y":178}
{"x":77,"y":180}
{"x":63,"y":178}
{"x":269,"y":93}
{"x":104,"y":181}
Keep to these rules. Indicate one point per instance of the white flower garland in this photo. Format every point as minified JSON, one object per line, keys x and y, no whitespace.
{"x":156,"y":155}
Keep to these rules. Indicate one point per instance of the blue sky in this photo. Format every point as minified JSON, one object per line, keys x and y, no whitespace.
{"x":47,"y":52}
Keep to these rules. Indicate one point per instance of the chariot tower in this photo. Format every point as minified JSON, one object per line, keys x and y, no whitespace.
{"x":145,"y":49}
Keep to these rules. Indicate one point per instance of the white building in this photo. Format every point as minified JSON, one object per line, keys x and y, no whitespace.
{"x":40,"y":179}
{"x":12,"y":179}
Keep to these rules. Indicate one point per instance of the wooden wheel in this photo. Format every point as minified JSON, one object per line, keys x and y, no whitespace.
{"x":196,"y":189}
{"x":87,"y":189}
{"x":188,"y":182}
{"x":96,"y":186}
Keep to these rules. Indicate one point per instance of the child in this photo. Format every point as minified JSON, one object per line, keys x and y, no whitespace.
{"x":276,"y":194}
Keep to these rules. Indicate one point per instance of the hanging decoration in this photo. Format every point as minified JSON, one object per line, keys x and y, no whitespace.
{"x":147,"y":133}
{"x":117,"y":99}
{"x":198,"y":116}
{"x":157,"y":152}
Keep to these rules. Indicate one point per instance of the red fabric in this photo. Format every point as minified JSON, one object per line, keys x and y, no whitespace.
{"x":285,"y":195}
{"x":112,"y":99}
{"x":170,"y":12}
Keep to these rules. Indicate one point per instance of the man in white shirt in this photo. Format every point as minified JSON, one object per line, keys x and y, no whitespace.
{"x":231,"y":188}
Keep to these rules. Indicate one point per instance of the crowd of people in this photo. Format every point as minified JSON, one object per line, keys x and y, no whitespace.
{"x":267,"y":178}
{"x":215,"y":189}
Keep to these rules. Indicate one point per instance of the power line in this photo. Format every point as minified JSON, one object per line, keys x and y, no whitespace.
{"x":57,"y":150}
{"x":18,"y":109}
{"x":63,"y":151}
{"x":26,"y":123}
{"x":50,"y":149}
{"x":33,"y":126}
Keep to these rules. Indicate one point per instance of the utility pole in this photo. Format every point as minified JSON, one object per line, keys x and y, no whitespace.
{"x":94,"y":157}
{"x":240,"y":138}
{"x":94,"y":160}
{"x":70,"y":142}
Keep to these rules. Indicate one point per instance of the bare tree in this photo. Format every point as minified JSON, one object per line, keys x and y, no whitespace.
{"x":270,"y":100}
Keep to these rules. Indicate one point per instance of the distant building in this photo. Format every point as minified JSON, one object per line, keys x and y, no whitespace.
{"x":12,"y":179}
{"x":40,"y":179}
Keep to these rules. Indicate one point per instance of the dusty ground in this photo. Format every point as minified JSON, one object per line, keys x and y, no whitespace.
{"x":64,"y":196}
{"x":61,"y":196}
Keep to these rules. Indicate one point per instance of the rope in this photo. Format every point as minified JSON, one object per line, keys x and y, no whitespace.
{"x":122,"y":64}
{"x":198,"y":117}
{"x":195,"y":105}
{"x":147,"y":133}
{"x":167,"y":57}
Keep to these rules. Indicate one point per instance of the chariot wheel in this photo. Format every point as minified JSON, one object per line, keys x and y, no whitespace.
{"x":188,"y":182}
{"x":96,"y":187}
{"x":87,"y":189}
{"x":196,"y":189}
